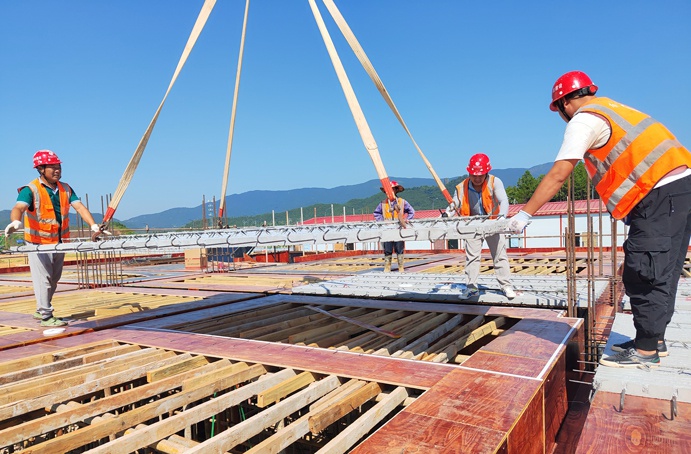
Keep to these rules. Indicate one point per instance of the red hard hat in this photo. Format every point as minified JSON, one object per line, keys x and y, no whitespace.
{"x":570,"y":82}
{"x":45,"y":157}
{"x":479,"y":164}
{"x":395,"y":186}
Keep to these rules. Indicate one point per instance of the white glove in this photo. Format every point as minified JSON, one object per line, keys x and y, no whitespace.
{"x":97,"y":229}
{"x":518,"y":221}
{"x":12,"y":227}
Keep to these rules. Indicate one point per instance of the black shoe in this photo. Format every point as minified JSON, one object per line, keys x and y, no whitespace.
{"x":661,"y":347}
{"x":631,"y":358}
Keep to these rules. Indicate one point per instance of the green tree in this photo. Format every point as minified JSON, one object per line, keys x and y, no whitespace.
{"x":524,"y":189}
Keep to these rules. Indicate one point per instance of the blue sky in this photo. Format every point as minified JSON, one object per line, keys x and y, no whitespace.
{"x":84,"y":78}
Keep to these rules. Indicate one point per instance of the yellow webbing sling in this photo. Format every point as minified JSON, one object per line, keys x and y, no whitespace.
{"x":136,"y":157}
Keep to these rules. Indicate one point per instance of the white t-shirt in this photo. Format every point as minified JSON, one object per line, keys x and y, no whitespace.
{"x":586,"y":131}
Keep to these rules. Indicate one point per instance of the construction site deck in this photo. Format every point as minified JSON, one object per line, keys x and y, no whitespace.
{"x":331,"y":354}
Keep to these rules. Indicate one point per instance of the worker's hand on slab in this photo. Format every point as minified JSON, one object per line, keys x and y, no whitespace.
{"x":12,"y":227}
{"x":518,"y":221}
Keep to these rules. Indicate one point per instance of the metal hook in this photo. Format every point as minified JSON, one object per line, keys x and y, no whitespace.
{"x":359,"y":238}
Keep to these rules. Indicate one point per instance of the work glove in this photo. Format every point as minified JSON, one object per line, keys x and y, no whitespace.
{"x":518,"y":221}
{"x":96,"y":229}
{"x":12,"y":227}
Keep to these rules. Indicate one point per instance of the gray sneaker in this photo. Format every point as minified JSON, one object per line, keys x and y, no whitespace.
{"x":470,"y":291}
{"x":661,"y":347}
{"x":631,"y":358}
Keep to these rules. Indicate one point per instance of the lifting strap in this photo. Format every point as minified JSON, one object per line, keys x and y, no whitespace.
{"x":355,"y":109}
{"x":367,"y":65}
{"x":136,"y":157}
{"x":229,"y":148}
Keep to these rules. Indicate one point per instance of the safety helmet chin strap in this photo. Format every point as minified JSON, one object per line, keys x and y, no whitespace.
{"x":560,"y":106}
{"x":584,"y":91}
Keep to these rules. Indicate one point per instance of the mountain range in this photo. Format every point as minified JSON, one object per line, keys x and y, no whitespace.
{"x":260,"y":202}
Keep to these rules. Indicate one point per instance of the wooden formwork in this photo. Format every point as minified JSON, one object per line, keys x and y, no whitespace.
{"x":88,"y":310}
{"x":434,"y":379}
{"x":412,"y":334}
{"x":235,"y":282}
{"x":121,"y":397}
{"x":155,"y":390}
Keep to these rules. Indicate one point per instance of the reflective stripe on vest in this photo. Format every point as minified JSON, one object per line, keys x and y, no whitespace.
{"x":388,"y":212}
{"x":489,"y":202}
{"x":638,"y":154}
{"x":41,"y":224}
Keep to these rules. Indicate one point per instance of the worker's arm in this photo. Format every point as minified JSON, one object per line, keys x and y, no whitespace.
{"x":16,"y":218}
{"x":378,"y":212}
{"x":408,"y":210}
{"x":548,"y":187}
{"x":84,"y":212}
{"x":502,"y":198}
{"x":455,"y":206}
{"x":550,"y":184}
{"x":18,"y":211}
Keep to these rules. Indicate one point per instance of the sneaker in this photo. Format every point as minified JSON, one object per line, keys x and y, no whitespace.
{"x":470,"y":291}
{"x":631,"y":358}
{"x":38,"y":316}
{"x":509,"y":292}
{"x":661,"y":347}
{"x":53,"y":321}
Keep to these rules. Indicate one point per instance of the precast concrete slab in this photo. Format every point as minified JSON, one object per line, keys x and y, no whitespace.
{"x":543,"y":291}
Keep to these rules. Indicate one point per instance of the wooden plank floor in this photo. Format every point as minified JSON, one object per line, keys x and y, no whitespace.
{"x":89,"y":310}
{"x":463,"y":406}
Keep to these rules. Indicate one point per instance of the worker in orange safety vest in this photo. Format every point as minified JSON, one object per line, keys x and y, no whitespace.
{"x":643,"y":175}
{"x":45,"y":203}
{"x":398,"y":209}
{"x":482,"y":194}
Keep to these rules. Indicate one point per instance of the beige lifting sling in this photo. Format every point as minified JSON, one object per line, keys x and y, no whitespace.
{"x":355,"y":109}
{"x":136,"y":157}
{"x":229,"y":149}
{"x":367,"y":65}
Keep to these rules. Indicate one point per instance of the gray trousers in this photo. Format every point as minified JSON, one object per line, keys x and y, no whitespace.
{"x":46,"y":270}
{"x":497,"y":247}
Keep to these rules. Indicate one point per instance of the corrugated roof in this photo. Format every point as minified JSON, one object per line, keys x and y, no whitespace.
{"x":548,"y":209}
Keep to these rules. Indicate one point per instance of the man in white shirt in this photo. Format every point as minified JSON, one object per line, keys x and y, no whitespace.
{"x":643,"y":175}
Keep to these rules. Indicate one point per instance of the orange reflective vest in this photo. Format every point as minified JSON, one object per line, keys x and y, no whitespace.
{"x":489,"y":201}
{"x":40,"y":223}
{"x":394,"y":213}
{"x":637,"y":155}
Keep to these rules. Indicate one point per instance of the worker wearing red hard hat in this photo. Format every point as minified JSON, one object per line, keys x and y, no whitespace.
{"x":387,"y":210}
{"x":45,"y":203}
{"x":643,"y":175}
{"x":482,"y":194}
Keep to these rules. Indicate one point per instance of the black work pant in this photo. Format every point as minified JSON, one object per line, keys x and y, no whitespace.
{"x":391,"y":246}
{"x":654,"y":256}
